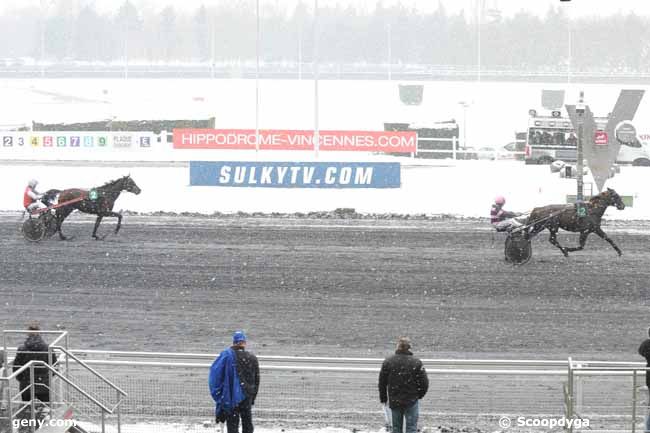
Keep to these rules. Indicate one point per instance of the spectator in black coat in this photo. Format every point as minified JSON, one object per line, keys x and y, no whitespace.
{"x":33,"y":349}
{"x":2,"y":383}
{"x":644,"y":350}
{"x":403,"y":382}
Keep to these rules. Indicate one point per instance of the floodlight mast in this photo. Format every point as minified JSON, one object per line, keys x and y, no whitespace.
{"x":580,"y":111}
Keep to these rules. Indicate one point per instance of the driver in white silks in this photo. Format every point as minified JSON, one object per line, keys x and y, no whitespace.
{"x":504,"y":220}
{"x":31,"y":197}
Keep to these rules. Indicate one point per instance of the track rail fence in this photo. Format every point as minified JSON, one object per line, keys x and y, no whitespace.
{"x":342,"y":392}
{"x":609,"y":394}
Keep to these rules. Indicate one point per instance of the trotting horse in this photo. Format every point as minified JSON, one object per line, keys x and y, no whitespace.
{"x":98,"y":201}
{"x":554,"y":217}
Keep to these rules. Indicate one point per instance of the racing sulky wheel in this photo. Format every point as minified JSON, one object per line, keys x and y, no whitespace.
{"x":33,"y":229}
{"x":518,"y":249}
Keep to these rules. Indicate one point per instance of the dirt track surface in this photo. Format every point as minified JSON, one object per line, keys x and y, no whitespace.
{"x":328,"y":287}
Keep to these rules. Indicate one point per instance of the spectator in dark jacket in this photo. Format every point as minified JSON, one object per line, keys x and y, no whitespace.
{"x":644,"y":350}
{"x":402,"y":383}
{"x":33,"y":349}
{"x":2,"y":383}
{"x":248,"y":370}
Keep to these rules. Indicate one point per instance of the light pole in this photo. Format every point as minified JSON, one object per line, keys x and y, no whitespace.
{"x":390,"y":52}
{"x":479,"y":13}
{"x":316,"y":114}
{"x":42,"y":39}
{"x":300,"y":51}
{"x":580,"y":111}
{"x":213,"y":19}
{"x":126,"y":48}
{"x":257,"y":75}
{"x":45,"y":4}
{"x":568,"y":72}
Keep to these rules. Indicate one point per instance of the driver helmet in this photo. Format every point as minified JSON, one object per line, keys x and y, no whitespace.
{"x":32,"y":183}
{"x":500,"y":200}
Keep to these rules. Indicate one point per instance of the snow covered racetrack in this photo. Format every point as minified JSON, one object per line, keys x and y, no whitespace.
{"x":326,"y":287}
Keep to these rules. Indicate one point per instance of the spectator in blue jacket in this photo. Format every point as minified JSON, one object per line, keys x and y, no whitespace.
{"x":234,"y":381}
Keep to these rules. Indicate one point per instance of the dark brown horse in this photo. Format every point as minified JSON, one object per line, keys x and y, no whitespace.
{"x":98,"y":201}
{"x":555,"y":217}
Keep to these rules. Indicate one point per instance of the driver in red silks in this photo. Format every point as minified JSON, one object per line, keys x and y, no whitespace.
{"x":502,"y":219}
{"x":31,"y":197}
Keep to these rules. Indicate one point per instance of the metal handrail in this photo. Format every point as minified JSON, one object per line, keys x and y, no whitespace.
{"x":93,"y":371}
{"x":269,"y":367}
{"x":602,"y":368}
{"x":609,"y":363}
{"x":27,"y":331}
{"x":322,"y":359}
{"x":61,"y":376}
{"x":5,"y":356}
{"x":59,"y":338}
{"x":21,"y":369}
{"x":77,"y":354}
{"x":612,"y":368}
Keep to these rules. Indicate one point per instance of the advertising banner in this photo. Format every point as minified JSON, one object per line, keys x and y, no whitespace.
{"x":242,"y":139}
{"x":295,"y":174}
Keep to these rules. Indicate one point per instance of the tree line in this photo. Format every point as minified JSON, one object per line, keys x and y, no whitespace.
{"x":345,"y":35}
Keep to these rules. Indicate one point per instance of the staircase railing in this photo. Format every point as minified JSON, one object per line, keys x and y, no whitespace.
{"x":64,"y":391}
{"x":120,"y":394}
{"x":32,"y":403}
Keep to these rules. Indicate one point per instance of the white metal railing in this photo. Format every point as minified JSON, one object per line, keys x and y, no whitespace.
{"x":308,"y":360}
{"x":584,"y":398}
{"x":342,"y":391}
{"x":302,"y":390}
{"x":17,"y":400}
{"x":452,"y":142}
{"x":326,"y":391}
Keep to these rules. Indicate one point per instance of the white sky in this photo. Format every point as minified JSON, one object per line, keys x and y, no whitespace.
{"x":508,"y":7}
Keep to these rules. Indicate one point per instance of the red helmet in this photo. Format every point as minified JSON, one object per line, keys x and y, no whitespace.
{"x":500,"y":200}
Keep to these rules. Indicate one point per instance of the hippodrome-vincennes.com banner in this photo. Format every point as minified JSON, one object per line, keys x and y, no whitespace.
{"x":295,"y":174}
{"x":242,"y":139}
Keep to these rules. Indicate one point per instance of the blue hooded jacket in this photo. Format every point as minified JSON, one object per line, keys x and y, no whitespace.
{"x":224,"y":383}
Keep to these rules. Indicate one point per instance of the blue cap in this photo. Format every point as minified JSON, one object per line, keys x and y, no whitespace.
{"x":238,"y":337}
